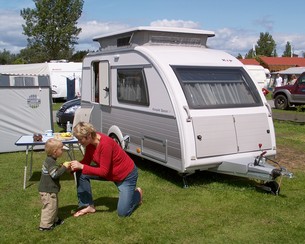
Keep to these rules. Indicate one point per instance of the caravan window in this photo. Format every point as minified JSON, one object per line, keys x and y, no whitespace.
{"x":24,"y":81}
{"x":132,"y":87}
{"x":217,"y":87}
{"x":4,"y":80}
{"x":43,"y":81}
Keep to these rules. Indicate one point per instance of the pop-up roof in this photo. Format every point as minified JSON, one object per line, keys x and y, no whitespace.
{"x":154,"y":36}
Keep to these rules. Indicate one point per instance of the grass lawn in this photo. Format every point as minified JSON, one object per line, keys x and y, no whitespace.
{"x":214,"y":209}
{"x":56,"y":106}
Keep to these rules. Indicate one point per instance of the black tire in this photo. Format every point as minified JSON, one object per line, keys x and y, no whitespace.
{"x":274,"y":187}
{"x":116,"y":139}
{"x":281,"y":102}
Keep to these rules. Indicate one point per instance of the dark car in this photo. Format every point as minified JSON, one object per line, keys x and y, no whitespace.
{"x":289,"y":95}
{"x":66,"y":112}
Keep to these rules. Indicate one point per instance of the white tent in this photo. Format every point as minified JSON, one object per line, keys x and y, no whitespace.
{"x":291,"y":71}
{"x":24,"y":111}
{"x":25,"y":69}
{"x":53,"y":74}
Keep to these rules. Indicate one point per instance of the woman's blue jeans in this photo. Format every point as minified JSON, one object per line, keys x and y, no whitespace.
{"x":129,"y":199}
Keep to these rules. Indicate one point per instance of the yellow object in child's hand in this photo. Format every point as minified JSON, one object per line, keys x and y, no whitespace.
{"x":67,"y":164}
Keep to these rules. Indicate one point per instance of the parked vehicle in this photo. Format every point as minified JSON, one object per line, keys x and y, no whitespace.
{"x":258,"y":74}
{"x":66,"y":112}
{"x":289,"y":95}
{"x":164,"y":96}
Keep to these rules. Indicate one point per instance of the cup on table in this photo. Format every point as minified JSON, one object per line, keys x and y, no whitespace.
{"x":49,"y":133}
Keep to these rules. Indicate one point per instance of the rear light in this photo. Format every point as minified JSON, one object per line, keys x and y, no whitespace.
{"x":265,"y":91}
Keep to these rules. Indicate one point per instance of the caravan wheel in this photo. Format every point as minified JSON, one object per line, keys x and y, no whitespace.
{"x":116,"y":139}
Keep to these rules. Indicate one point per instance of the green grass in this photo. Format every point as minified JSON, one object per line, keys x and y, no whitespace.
{"x":291,"y":134}
{"x":56,"y":106}
{"x":214,"y":209}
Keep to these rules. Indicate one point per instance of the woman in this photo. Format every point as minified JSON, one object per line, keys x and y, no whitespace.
{"x":293,"y":80}
{"x":112,"y":163}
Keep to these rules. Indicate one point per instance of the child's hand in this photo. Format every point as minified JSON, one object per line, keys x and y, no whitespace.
{"x":67,"y":164}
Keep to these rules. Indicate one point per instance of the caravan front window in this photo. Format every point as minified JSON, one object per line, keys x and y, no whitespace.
{"x":132,"y":87}
{"x":217,"y":87}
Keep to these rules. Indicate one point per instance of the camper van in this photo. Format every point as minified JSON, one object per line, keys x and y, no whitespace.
{"x":259,"y":74}
{"x":166,"y":97}
{"x":59,"y":75}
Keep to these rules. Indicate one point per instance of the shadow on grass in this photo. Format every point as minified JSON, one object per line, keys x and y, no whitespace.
{"x":36,"y":177}
{"x":110,"y":204}
{"x":196,"y":179}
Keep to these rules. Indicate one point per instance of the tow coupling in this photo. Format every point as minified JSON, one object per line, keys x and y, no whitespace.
{"x":273,"y":186}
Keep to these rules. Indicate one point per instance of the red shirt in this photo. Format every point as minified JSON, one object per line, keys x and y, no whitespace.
{"x":113,"y":163}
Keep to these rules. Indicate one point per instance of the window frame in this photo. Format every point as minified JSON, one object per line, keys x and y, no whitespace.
{"x":143,"y":81}
{"x":247,"y":85}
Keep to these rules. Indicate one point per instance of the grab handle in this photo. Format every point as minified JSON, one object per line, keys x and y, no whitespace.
{"x":189,"y":118}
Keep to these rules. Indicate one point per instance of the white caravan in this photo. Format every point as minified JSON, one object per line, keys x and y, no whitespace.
{"x":164,"y":96}
{"x":259,"y":74}
{"x":53,"y":74}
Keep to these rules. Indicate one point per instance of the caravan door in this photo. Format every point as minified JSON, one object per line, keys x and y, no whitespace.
{"x":104,"y":83}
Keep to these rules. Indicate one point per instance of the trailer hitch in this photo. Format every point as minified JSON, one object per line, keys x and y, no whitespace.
{"x":272,"y":186}
{"x":261,"y":160}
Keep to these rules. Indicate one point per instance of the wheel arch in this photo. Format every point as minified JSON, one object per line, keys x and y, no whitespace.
{"x":285,"y":93}
{"x":115,"y":131}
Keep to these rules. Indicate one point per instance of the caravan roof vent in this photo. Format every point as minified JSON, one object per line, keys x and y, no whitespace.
{"x":124,"y":41}
{"x":150,"y":35}
{"x":175,"y":40}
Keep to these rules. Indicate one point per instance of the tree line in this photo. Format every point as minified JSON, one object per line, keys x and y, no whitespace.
{"x":266,"y":46}
{"x":52,"y":33}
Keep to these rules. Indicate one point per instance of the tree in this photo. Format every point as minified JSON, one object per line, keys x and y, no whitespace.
{"x":250,"y":54}
{"x":6,"y":57}
{"x":79,"y":56}
{"x":288,"y":50}
{"x":51,"y":28}
{"x":239,"y":56}
{"x":265,"y":46}
{"x":31,"y":55}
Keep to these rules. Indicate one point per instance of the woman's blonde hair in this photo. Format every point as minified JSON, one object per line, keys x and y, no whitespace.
{"x":84,"y":129}
{"x":51,"y":145}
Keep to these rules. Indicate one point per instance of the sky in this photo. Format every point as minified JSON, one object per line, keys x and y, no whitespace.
{"x":237,"y":24}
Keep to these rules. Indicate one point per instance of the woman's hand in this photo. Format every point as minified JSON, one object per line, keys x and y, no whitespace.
{"x":75,"y":165}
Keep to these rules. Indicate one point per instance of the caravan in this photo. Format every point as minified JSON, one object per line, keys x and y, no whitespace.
{"x":166,"y":97}
{"x":55,"y":74}
{"x":259,"y":74}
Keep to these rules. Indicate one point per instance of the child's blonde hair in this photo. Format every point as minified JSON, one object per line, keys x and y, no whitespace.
{"x":51,"y":145}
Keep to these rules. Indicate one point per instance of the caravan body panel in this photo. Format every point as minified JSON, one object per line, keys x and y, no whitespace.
{"x":222,"y":135}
